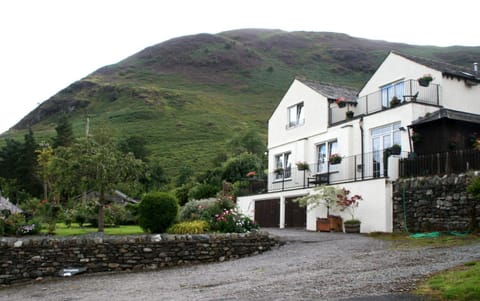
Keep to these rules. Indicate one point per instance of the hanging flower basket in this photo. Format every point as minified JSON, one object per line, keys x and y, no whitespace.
{"x":335,"y":159}
{"x":425,"y":80}
{"x":302,"y":166}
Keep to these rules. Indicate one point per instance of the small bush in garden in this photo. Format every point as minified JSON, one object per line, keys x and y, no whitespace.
{"x":205,"y":209}
{"x":191,"y":227}
{"x":230,"y":221}
{"x":158,"y":211}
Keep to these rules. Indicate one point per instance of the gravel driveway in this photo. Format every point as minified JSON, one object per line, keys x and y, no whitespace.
{"x":309,"y":266}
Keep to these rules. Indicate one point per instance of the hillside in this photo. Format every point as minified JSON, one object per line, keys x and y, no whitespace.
{"x":189,"y":95}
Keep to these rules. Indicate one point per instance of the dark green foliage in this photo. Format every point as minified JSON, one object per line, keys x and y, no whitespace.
{"x":474,"y":189}
{"x":154,"y":178}
{"x":237,"y":168}
{"x":157,"y":212}
{"x":18,"y":166}
{"x":203,"y":191}
{"x":185,"y":175}
{"x":182,"y":193}
{"x":249,"y":141}
{"x":64,"y":132}
{"x":137,"y":145}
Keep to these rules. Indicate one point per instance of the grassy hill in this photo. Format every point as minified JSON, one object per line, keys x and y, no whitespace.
{"x":189,"y":95}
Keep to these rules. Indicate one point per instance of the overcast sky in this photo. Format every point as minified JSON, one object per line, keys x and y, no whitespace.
{"x":47,"y":45}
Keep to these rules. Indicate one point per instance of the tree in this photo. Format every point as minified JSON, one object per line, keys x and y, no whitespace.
{"x":64,"y":132}
{"x":135,"y":145}
{"x":249,"y":141}
{"x":236,"y":168}
{"x":322,"y":195}
{"x":95,"y":166}
{"x":154,"y":177}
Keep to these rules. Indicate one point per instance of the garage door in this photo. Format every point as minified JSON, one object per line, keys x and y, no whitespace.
{"x":295,"y":216}
{"x":267,"y":213}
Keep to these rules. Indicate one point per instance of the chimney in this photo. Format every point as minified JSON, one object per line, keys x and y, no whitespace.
{"x":475,"y":69}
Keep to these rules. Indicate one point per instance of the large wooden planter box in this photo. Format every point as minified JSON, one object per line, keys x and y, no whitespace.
{"x":332,"y":223}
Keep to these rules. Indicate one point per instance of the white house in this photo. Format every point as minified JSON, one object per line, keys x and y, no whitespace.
{"x":311,"y":124}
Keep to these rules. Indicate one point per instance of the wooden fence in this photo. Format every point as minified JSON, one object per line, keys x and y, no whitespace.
{"x":457,"y":161}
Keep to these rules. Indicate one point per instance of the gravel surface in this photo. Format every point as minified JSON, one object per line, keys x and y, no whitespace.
{"x":309,"y":266}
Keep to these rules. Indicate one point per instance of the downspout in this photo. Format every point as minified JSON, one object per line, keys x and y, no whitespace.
{"x":360,"y":123}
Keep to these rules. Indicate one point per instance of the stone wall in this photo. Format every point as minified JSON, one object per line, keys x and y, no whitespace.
{"x":433,"y":204}
{"x":23,"y":259}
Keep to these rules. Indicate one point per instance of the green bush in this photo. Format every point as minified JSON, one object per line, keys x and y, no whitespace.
{"x":202,"y":191}
{"x":192,"y":227}
{"x":158,"y":211}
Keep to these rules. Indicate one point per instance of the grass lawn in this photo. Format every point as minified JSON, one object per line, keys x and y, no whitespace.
{"x":460,"y":283}
{"x":75,"y":229}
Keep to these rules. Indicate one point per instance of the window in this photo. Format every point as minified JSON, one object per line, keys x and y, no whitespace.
{"x":283,"y":166}
{"x":324,"y":151}
{"x":391,"y":90}
{"x":383,"y":137}
{"x":296,"y":115}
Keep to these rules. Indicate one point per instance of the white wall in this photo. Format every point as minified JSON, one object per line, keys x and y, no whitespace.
{"x":457,"y":95}
{"x":316,"y":115}
{"x":396,"y":68}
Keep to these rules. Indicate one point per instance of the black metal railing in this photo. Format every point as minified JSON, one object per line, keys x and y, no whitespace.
{"x":458,"y":161}
{"x":352,"y":168}
{"x":372,"y":103}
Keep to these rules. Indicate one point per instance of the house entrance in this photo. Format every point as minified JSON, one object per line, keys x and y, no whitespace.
{"x":382,"y":138}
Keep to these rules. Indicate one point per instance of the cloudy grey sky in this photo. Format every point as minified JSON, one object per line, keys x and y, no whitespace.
{"x":46,"y":45}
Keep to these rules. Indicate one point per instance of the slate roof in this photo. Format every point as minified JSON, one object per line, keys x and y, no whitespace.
{"x":331,"y":91}
{"x":446,"y":68}
{"x":449,"y":114}
{"x":5,"y":204}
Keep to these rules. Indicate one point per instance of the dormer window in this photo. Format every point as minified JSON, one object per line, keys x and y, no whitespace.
{"x":296,"y":115}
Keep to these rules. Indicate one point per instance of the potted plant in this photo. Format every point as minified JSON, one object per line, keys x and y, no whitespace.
{"x":335,"y":159}
{"x":425,"y":80}
{"x":349,"y":114}
{"x":416,"y":137}
{"x":323,"y":196}
{"x":347,"y":203}
{"x":278,"y":171}
{"x":395,"y":149}
{"x":394,"y":102}
{"x":302,"y":166}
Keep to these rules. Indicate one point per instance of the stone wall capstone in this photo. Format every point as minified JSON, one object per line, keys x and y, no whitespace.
{"x":433,"y":203}
{"x":23,"y":259}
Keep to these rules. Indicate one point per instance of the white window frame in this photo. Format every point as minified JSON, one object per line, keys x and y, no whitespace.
{"x":283,"y":160}
{"x":321,"y":165}
{"x":296,"y":115}
{"x":390,"y":90}
{"x":384,"y":136}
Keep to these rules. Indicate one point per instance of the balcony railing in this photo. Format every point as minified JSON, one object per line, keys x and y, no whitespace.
{"x":350,"y":169}
{"x":374,"y":102}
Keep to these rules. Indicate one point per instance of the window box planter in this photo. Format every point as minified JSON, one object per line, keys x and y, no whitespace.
{"x":425,"y":80}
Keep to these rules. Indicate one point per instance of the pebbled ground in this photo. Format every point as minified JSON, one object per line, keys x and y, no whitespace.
{"x":308,"y":266}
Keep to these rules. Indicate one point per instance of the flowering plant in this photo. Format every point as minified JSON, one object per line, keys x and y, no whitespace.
{"x":231,"y":221}
{"x":335,"y":159}
{"x":302,"y":166}
{"x":340,"y":101}
{"x":347,"y":203}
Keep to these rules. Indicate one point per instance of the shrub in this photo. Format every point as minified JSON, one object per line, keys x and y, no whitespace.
{"x":230,"y":221}
{"x":205,"y":209}
{"x":202,"y":191}
{"x":191,"y":227}
{"x":158,"y":211}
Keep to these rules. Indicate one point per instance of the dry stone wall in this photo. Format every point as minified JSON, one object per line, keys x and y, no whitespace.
{"x":25,"y":259}
{"x":434,"y":203}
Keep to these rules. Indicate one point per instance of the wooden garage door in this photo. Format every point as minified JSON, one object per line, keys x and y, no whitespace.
{"x":295,"y":216}
{"x":267,"y":213}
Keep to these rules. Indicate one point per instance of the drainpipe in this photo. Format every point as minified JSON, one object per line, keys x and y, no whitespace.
{"x":360,"y":123}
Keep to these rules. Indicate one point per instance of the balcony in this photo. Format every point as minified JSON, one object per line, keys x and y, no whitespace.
{"x":374,"y":102}
{"x":350,"y":169}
